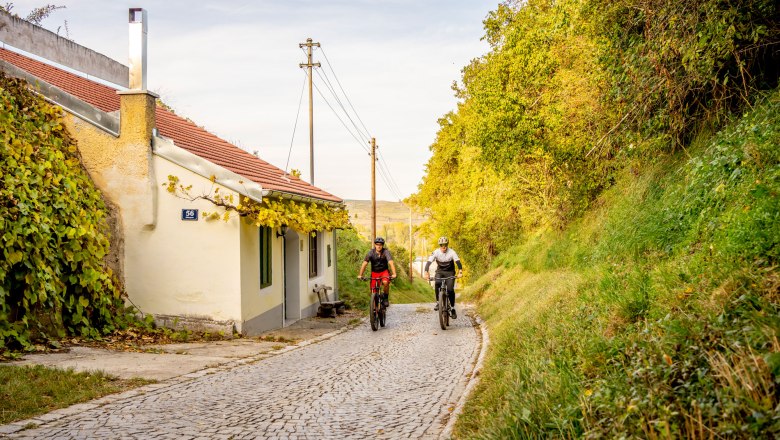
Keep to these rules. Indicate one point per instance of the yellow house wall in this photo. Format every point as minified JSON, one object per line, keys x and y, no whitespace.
{"x":265,"y":303}
{"x":185,"y":268}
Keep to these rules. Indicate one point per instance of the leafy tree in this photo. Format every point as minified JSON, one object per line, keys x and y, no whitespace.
{"x":573,"y":91}
{"x":514,"y":156}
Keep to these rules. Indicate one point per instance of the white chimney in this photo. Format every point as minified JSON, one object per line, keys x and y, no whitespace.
{"x":137,"y":49}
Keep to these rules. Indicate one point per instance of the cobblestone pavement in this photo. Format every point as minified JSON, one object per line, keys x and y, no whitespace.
{"x":399,"y":382}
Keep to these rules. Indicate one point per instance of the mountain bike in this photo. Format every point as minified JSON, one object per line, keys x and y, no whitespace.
{"x":445,"y":308}
{"x":377,"y":312}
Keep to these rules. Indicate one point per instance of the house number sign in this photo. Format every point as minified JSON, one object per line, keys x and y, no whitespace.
{"x":189,"y":214}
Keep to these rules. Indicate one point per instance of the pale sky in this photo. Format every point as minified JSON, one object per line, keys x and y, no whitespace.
{"x":232,"y":67}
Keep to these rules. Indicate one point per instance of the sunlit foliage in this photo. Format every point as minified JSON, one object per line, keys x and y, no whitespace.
{"x":53,"y":280}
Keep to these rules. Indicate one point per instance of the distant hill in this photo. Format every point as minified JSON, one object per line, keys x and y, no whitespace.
{"x":392,"y":219}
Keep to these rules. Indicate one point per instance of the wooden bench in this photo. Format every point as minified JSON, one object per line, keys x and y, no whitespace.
{"x":327,"y":307}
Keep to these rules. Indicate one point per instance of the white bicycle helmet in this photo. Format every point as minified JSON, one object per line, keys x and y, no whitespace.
{"x":443,"y":241}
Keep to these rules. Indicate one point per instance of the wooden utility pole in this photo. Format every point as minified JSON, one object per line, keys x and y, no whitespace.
{"x":373,"y":189}
{"x":308,"y":44}
{"x":411,"y":262}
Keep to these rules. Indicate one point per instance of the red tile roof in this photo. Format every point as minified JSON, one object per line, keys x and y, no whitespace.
{"x":184,"y":133}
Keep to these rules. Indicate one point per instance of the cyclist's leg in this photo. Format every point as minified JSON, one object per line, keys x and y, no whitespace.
{"x":385,"y":283}
{"x":436,"y":287}
{"x":451,"y":291}
{"x":451,"y":295}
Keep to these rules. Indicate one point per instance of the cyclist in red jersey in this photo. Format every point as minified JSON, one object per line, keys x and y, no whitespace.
{"x":380,"y":259}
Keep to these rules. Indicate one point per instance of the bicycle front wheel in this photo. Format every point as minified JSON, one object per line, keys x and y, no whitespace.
{"x":373,"y":312}
{"x":444,"y":313}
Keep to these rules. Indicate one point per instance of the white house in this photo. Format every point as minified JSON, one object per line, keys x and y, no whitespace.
{"x":174,"y":263}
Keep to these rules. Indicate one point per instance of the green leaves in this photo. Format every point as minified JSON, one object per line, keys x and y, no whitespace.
{"x":51,"y":220}
{"x":675,"y":64}
{"x":514,"y":156}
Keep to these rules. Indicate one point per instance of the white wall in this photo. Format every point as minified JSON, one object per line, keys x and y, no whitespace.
{"x":185,"y":268}
{"x":210,"y":269}
{"x":260,"y":303}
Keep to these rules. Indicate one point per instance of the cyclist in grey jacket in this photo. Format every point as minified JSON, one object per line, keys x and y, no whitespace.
{"x":446,"y":260}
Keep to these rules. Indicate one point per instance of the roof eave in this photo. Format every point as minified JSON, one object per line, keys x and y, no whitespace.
{"x":301,"y":198}
{"x":168,"y":150}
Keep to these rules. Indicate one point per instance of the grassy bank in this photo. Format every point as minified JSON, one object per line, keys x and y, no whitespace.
{"x":656,"y":315}
{"x":30,"y":391}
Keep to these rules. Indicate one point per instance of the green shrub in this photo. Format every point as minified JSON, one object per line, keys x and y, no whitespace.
{"x":53,"y":280}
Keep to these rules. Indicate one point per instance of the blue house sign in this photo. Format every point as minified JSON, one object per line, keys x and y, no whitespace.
{"x":189,"y":214}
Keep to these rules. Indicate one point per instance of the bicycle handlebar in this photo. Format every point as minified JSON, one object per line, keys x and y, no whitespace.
{"x":442,"y":279}
{"x":376,"y":279}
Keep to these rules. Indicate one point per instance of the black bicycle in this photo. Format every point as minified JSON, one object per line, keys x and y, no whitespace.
{"x":445,"y":308}
{"x":377,"y":312}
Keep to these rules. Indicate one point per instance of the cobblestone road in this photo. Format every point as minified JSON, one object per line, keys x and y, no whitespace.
{"x":399,"y":382}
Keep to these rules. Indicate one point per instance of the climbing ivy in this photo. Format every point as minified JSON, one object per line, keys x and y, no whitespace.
{"x":53,"y":279}
{"x":304,"y":217}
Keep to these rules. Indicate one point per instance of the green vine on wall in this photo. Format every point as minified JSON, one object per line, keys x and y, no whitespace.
{"x":301,"y":216}
{"x":53,"y":279}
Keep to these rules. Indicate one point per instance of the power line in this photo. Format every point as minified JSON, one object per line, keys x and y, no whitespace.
{"x":326,"y":80}
{"x":295,"y":126}
{"x":384,"y":163}
{"x":345,"y":93}
{"x":339,"y":118}
{"x":383,"y":169}
{"x":329,"y":85}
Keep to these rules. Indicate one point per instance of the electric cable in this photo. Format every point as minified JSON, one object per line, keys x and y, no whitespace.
{"x":339,"y":118}
{"x":324,"y":77}
{"x":345,"y":93}
{"x":295,"y":126}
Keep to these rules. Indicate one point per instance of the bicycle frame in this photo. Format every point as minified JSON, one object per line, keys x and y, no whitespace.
{"x":376,"y":309}
{"x":443,"y":301}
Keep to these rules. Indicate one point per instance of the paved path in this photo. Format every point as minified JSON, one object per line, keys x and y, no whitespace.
{"x":399,"y":382}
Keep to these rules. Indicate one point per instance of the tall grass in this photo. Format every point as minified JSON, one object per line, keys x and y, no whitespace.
{"x":655,"y":316}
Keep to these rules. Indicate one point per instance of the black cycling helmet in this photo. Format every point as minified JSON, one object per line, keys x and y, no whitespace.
{"x":443,"y":241}
{"x":379,"y":240}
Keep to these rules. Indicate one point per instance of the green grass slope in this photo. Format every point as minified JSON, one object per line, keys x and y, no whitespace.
{"x":656,"y":315}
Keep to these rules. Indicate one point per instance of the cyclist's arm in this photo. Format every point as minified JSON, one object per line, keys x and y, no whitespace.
{"x":362,"y":269}
{"x":456,"y":258}
{"x":392,"y":266}
{"x":430,"y":260}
